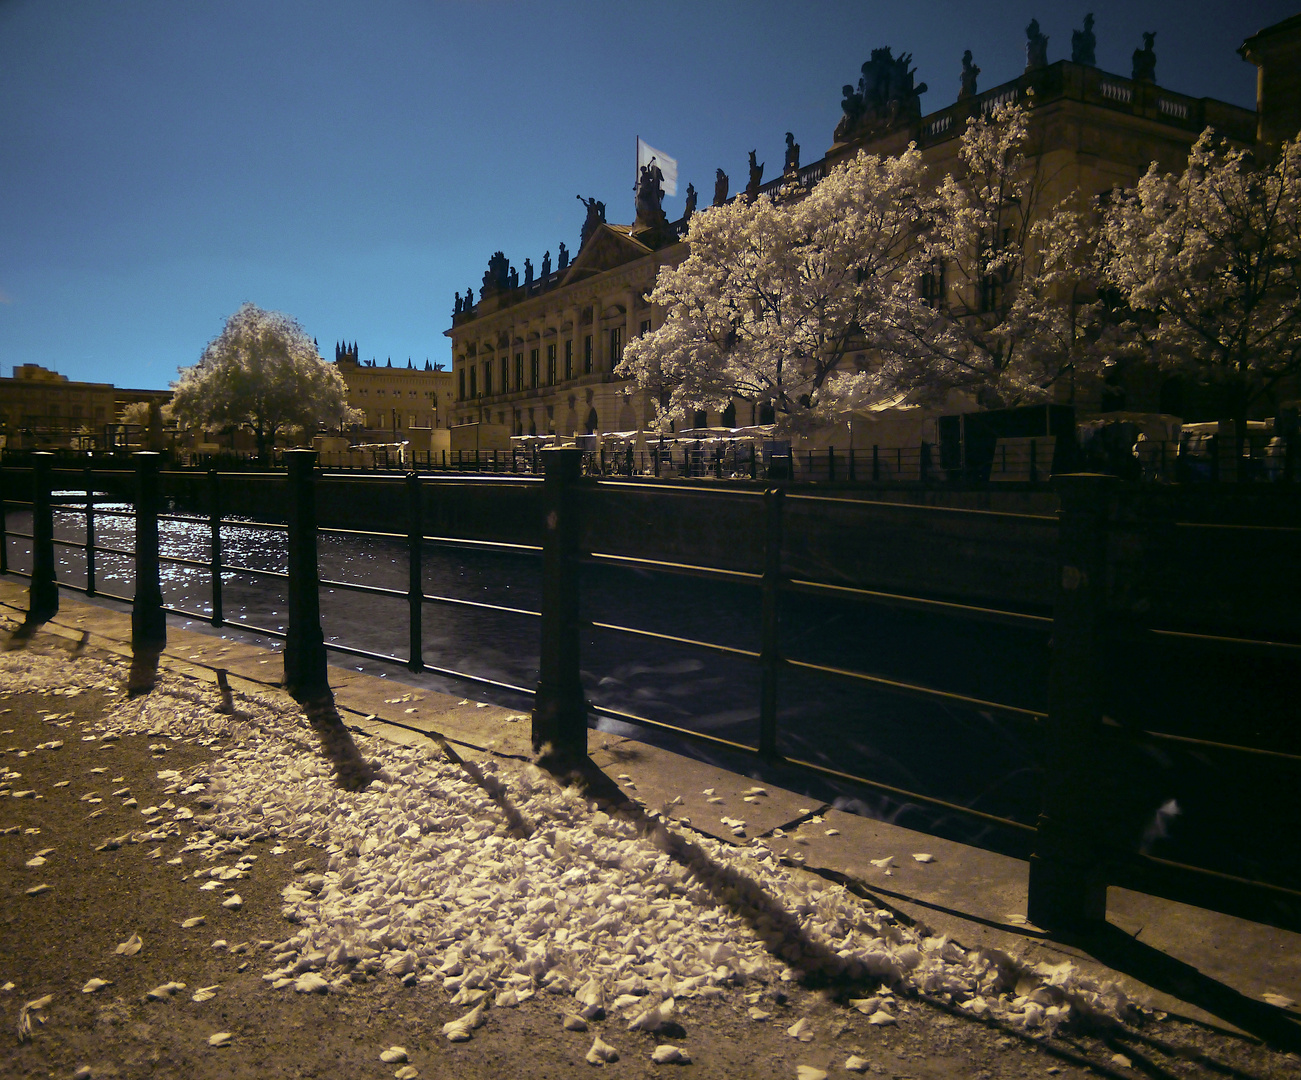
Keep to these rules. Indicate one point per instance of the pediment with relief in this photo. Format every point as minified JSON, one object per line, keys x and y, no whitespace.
{"x":609,"y":246}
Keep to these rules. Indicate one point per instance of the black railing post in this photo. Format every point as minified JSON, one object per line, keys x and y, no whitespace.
{"x":1068,"y":888}
{"x":769,"y":647}
{"x":415,"y":572}
{"x":305,"y":674}
{"x":90,"y":532}
{"x":43,"y":596}
{"x":214,"y":526}
{"x":831,"y":463}
{"x":148,"y":621}
{"x":560,"y":709}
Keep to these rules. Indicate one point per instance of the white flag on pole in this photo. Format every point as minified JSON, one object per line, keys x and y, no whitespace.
{"x":667,"y":165}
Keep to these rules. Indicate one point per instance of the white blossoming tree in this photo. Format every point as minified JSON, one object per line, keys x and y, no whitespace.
{"x":261,"y":370}
{"x":1209,"y":263}
{"x":1010,"y":297}
{"x":776,"y":297}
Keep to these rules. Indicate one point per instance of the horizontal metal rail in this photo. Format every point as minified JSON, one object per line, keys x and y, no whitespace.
{"x":673,"y":729}
{"x":708,"y":646}
{"x":887,"y":504}
{"x":812,"y":766}
{"x":1187,"y":740}
{"x":910,"y":796}
{"x":1286,"y":648}
{"x":356,"y":586}
{"x":912,"y":690}
{"x":1281,"y":892}
{"x":449,"y":673}
{"x":685,"y":569}
{"x":917,"y":603}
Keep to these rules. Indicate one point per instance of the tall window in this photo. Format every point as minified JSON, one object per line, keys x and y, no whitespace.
{"x":519,"y":371}
{"x":533,"y":367}
{"x":569,"y":359}
{"x":932,"y":285}
{"x":461,"y":385}
{"x":551,"y":364}
{"x":487,"y":378}
{"x":505,"y":375}
{"x":474,"y":380}
{"x":616,"y":345}
{"x":587,"y":355}
{"x":645,"y":327}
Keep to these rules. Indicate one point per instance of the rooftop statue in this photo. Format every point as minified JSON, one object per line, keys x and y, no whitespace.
{"x":720,"y":188}
{"x":967,"y":84}
{"x":691,"y":202}
{"x":469,"y":299}
{"x":456,"y":310}
{"x":595,"y":217}
{"x":1036,"y":47}
{"x":650,"y":195}
{"x":792,"y":154}
{"x":546,"y":265}
{"x":512,"y":279}
{"x":528,"y":272}
{"x":1084,"y":43}
{"x":563,"y":256}
{"x":497,"y":277}
{"x":756,"y":177}
{"x":1145,"y":60}
{"x":887,"y":96}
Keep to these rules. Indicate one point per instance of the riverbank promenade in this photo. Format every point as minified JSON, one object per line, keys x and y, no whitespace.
{"x":1229,"y":977}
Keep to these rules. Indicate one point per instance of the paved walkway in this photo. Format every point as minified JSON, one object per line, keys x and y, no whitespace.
{"x":1187,"y":961}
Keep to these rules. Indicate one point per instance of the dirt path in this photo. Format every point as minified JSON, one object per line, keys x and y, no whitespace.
{"x":116,"y":870}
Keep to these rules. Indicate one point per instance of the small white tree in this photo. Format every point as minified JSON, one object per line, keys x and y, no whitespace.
{"x":775,"y":296}
{"x":261,"y":370}
{"x":1008,"y":289}
{"x":1209,"y":262}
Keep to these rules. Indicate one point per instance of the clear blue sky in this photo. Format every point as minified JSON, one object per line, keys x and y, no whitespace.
{"x":356,"y":163}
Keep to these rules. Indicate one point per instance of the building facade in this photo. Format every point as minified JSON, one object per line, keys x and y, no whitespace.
{"x":41,"y":408}
{"x":539,"y":357}
{"x":395,"y":400}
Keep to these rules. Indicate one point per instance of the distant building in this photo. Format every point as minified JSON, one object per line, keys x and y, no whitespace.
{"x":395,"y":400}
{"x":40,"y":408}
{"x":538,"y":357}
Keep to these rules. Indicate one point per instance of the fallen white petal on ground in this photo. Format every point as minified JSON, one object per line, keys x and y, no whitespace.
{"x":1278,"y":1000}
{"x":670,"y":1055}
{"x":95,"y":984}
{"x":394,"y":1055}
{"x":130,"y":947}
{"x":924,"y":857}
{"x":601,"y":1052}
{"x":205,"y":993}
{"x":219,"y":1039}
{"x":854,"y":1063}
{"x":424,"y":876}
{"x":801,"y":1030}
{"x":165,"y":991}
{"x":808,"y":1072}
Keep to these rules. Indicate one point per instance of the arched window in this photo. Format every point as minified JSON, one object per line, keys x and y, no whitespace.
{"x":729,"y":415}
{"x":767,"y":414}
{"x":701,"y":419}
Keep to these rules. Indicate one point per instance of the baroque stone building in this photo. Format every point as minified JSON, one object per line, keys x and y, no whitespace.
{"x":41,"y":408}
{"x":395,"y":400}
{"x":538,"y":357}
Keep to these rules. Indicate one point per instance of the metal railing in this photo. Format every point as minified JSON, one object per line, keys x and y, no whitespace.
{"x":1073,"y":859}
